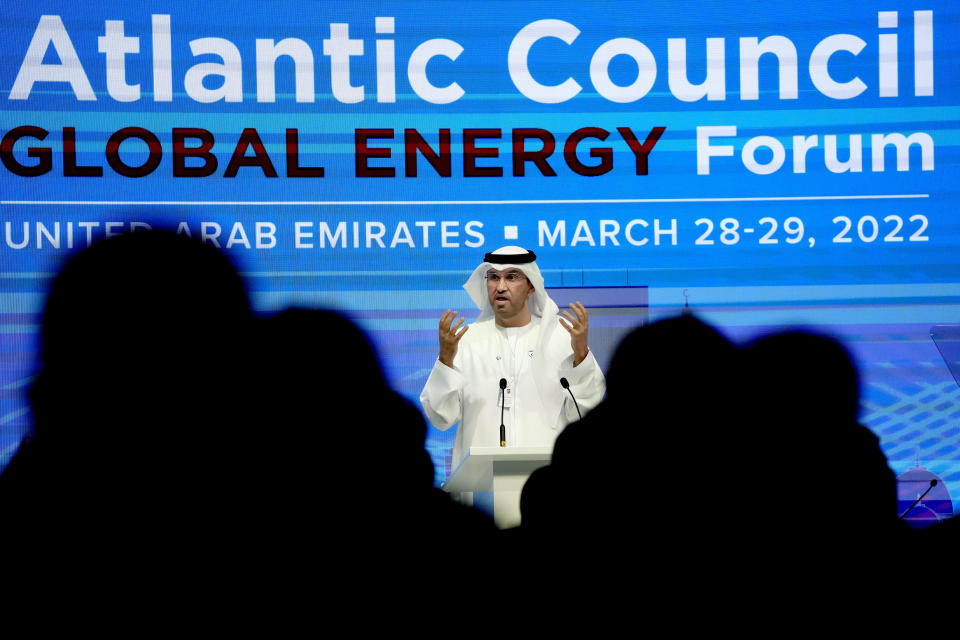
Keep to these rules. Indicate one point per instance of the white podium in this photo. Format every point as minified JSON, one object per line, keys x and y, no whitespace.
{"x":500,"y":470}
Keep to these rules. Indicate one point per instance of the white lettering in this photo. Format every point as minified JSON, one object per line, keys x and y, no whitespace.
{"x":713,"y":86}
{"x":820,"y":74}
{"x":402,"y":235}
{"x":162,"y":59}
{"x":629,"y":232}
{"x":646,"y":70}
{"x":8,"y":233}
{"x":210,"y":231}
{"x":750,"y":150}
{"x":375,"y":232}
{"x":266,"y":235}
{"x":340,"y":48}
{"x":386,"y":66}
{"x":923,"y":53}
{"x":417,"y":71}
{"x":112,"y":229}
{"x":472,"y":229}
{"x":425,"y":225}
{"x":751,"y":49}
{"x":267,"y":54}
{"x":520,"y":71}
{"x":854,"y":163}
{"x":446,"y":235}
{"x":340,"y":234}
{"x":705,"y":150}
{"x":43,"y":232}
{"x":888,"y":82}
{"x":879,"y":141}
{"x":658,"y":232}
{"x":115,"y":45}
{"x":238,"y":236}
{"x":230,"y":70}
{"x":301,"y":236}
{"x":50,"y":30}
{"x":609,"y":230}
{"x":582,"y":234}
{"x":559,"y":231}
{"x":801,"y":145}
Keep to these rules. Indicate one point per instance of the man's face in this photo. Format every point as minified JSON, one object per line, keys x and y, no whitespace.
{"x":508,"y":291}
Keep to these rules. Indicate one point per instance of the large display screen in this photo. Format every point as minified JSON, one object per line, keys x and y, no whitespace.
{"x":770,"y":164}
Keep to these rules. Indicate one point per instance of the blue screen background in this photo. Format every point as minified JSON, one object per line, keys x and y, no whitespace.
{"x":879,"y":293}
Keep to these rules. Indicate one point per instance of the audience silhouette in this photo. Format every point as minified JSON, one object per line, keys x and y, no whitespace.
{"x":174,"y":426}
{"x":136,"y":401}
{"x":636,"y":466}
{"x":348,"y":458}
{"x":168,"y":418}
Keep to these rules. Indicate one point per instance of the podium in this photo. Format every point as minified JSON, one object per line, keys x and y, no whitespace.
{"x":501,"y":471}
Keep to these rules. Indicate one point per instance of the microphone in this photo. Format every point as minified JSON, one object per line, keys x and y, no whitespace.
{"x":933,"y":483}
{"x":503,"y":402}
{"x":566,"y":385}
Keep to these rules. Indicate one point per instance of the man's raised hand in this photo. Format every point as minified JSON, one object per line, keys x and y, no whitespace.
{"x":450,"y":335}
{"x":576,"y":325}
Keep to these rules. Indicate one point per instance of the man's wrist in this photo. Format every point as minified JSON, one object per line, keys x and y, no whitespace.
{"x":578,"y":358}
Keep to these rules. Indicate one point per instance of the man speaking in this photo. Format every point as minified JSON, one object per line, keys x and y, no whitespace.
{"x":510,"y":361}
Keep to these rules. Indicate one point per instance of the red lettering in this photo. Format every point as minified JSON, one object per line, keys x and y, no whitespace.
{"x":70,"y":167}
{"x":641,"y":151}
{"x":521,"y":156}
{"x":604,"y":153}
{"x":441,"y":162}
{"x":118,"y":165}
{"x":250,"y":138}
{"x":42,"y":154}
{"x":471,"y":152}
{"x":364,"y":153}
{"x":181,"y":152}
{"x":294,"y":170}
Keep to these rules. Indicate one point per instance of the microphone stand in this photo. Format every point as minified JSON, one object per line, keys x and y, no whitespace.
{"x":566,"y":385}
{"x":503,"y":402}
{"x":933,"y":483}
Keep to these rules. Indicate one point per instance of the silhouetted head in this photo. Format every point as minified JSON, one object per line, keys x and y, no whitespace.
{"x":138,"y":401}
{"x":669,"y":355}
{"x":831,"y":481}
{"x":650,"y":455}
{"x":138,"y":326}
{"x":329,"y":407}
{"x":321,"y":352}
{"x":816,"y":370}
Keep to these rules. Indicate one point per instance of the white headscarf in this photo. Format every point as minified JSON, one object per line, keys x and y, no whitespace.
{"x":540,"y":303}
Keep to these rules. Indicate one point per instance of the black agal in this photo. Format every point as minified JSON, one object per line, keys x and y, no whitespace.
{"x":510,"y":258}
